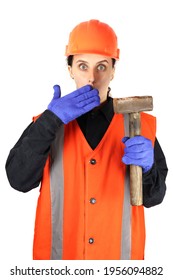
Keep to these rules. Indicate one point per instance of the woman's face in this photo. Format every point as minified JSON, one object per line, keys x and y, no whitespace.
{"x":95,"y":70}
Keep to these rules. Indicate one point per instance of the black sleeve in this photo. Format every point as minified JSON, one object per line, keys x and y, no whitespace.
{"x":154,"y":185}
{"x":26,"y":160}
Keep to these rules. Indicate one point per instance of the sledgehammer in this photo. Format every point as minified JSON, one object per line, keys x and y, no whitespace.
{"x":133,"y":106}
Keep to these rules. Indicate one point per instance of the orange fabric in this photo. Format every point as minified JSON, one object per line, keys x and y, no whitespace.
{"x":82,"y":181}
{"x":93,"y":37}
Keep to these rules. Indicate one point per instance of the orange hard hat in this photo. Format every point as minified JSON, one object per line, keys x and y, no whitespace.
{"x":94,"y":37}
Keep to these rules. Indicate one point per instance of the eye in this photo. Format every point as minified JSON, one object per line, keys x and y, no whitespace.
{"x":101,"y":67}
{"x":83,"y":66}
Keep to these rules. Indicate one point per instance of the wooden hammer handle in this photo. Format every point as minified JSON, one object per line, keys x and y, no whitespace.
{"x":135,"y":171}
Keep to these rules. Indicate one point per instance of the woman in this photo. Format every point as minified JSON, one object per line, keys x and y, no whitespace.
{"x":75,"y":149}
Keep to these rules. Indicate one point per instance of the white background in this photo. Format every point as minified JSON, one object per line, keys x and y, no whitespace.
{"x":33,"y":35}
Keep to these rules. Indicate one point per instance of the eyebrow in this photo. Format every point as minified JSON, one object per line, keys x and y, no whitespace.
{"x":84,"y":61}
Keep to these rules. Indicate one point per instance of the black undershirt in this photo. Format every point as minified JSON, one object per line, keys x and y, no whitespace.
{"x":95,"y":123}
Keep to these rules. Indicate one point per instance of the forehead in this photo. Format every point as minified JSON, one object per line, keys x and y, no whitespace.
{"x":92,"y":58}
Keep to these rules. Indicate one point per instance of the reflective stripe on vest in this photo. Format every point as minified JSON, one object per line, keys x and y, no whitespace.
{"x":57,"y":195}
{"x":58,"y":213}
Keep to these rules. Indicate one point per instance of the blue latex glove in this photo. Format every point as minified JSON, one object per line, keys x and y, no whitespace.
{"x":74,"y":104}
{"x":138,"y":151}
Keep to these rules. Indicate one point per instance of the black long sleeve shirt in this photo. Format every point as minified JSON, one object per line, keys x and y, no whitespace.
{"x":26,"y":160}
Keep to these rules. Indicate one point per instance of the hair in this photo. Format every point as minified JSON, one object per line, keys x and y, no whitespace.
{"x":70,"y":61}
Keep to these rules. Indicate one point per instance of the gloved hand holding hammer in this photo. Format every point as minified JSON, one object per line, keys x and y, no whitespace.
{"x":138,"y":151}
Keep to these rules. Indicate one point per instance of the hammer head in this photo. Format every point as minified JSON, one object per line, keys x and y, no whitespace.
{"x":132,"y":104}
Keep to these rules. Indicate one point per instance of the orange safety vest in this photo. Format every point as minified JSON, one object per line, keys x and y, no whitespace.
{"x":83,"y":210}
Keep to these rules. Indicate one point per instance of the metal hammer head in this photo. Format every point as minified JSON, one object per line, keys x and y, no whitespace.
{"x":133,"y":104}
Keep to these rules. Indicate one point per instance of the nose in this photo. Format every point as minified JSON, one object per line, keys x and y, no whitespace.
{"x":91,"y":77}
